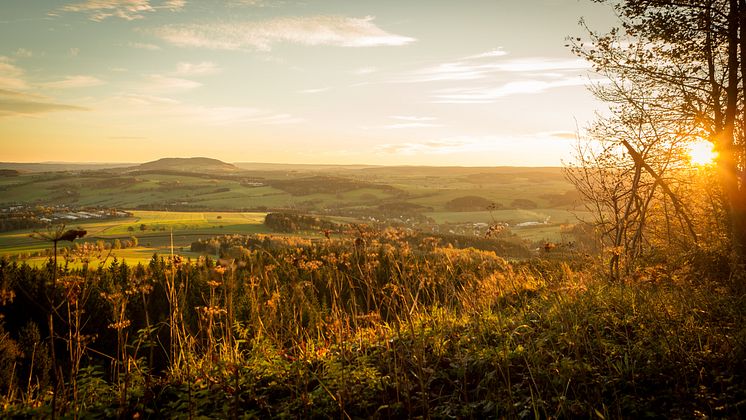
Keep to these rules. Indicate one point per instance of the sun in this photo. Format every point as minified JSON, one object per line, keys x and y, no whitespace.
{"x":701,"y":153}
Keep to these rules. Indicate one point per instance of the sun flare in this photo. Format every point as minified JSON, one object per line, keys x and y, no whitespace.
{"x":701,"y":153}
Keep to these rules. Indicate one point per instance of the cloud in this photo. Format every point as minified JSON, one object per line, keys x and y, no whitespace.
{"x":18,"y":95}
{"x":69,"y":82}
{"x":483,"y":95}
{"x":411,"y":121}
{"x":197,"y":69}
{"x":24,"y":53}
{"x":475,"y":67}
{"x":11,"y":76}
{"x":365,"y":70}
{"x":15,"y":102}
{"x":337,"y":31}
{"x":141,"y":100}
{"x":488,"y":54}
{"x":144,"y":46}
{"x":314,"y":90}
{"x":410,"y":125}
{"x":134,"y":105}
{"x":99,"y":10}
{"x":21,"y":104}
{"x":162,"y":83}
{"x":239,"y":3}
{"x":458,"y":144}
{"x":440,"y":146}
{"x":73,"y":52}
{"x":412,"y":118}
{"x":564,"y":135}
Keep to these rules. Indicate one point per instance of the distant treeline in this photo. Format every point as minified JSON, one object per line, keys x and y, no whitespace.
{"x":233,"y":246}
{"x":227,"y":177}
{"x":290,"y":223}
{"x":20,"y":222}
{"x":327,"y":185}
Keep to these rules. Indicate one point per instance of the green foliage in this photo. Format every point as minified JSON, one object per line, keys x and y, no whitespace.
{"x":9,"y":354}
{"x":378,"y":326}
{"x":293,"y":223}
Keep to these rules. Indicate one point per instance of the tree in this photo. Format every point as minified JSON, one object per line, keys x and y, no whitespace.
{"x":683,"y":65}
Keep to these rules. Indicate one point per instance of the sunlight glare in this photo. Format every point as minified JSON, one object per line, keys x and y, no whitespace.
{"x":701,"y":153}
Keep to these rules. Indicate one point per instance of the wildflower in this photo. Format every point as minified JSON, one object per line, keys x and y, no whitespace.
{"x":120,"y":325}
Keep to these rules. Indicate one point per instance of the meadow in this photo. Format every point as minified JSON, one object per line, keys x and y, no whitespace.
{"x":156,"y":232}
{"x":189,"y":203}
{"x":368,"y":326}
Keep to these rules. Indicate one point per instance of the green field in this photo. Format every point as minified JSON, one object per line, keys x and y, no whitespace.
{"x":205,"y":203}
{"x":159,"y":229}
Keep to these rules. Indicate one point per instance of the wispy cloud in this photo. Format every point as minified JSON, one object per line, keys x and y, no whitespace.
{"x":99,"y":10}
{"x":455,"y":144}
{"x":134,"y":104}
{"x":411,"y":121}
{"x":197,"y":69}
{"x":162,"y":83}
{"x":490,"y":94}
{"x":24,"y":53}
{"x":413,"y":118}
{"x":314,"y":90}
{"x":488,"y":54}
{"x":439,"y":146}
{"x":398,"y":126}
{"x":563,"y":135}
{"x":263,"y":35}
{"x":22,"y":104}
{"x":11,"y":76}
{"x":78,"y":81}
{"x":144,"y":46}
{"x":406,"y":122}
{"x":478,"y":69}
{"x":365,"y":70}
{"x":143,"y":100}
{"x":239,"y":3}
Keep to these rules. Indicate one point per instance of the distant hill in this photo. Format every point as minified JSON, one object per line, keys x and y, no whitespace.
{"x":299,"y":167}
{"x":195,"y":164}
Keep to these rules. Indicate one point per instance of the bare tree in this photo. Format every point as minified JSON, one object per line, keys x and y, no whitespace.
{"x":677,"y":68}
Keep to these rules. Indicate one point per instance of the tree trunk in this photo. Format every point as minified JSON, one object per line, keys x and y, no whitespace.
{"x":728,"y":155}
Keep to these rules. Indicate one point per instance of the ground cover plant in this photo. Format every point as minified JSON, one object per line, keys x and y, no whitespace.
{"x":368,"y":325}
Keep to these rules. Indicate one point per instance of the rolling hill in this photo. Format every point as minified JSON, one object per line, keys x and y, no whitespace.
{"x":194,"y":164}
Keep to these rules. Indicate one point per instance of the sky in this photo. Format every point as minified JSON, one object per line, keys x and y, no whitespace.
{"x":384,"y":82}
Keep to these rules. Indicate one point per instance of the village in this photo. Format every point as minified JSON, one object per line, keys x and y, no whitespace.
{"x":21,"y":216}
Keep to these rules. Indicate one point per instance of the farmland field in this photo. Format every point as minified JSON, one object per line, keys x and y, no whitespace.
{"x":209,"y":202}
{"x":153,"y":230}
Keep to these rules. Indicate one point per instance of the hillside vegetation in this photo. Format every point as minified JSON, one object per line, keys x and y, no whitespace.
{"x":368,"y":326}
{"x":430,"y":199}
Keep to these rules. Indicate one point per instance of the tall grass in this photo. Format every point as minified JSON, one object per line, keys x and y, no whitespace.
{"x":375,"y":326}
